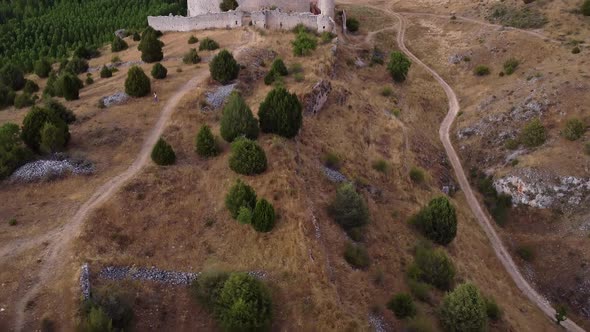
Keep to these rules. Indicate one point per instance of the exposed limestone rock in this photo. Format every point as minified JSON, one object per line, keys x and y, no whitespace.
{"x":315,"y":100}
{"x":543,"y":189}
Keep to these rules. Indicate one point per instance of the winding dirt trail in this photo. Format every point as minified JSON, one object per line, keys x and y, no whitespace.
{"x":55,"y":253}
{"x":482,"y":218}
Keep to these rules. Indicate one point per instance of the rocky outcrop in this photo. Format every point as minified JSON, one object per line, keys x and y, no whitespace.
{"x":315,"y":100}
{"x":543,"y":189}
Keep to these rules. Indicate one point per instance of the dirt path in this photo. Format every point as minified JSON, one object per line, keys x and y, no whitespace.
{"x":55,"y":253}
{"x":482,"y":218}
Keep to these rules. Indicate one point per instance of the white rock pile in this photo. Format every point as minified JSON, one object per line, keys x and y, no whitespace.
{"x":334,"y":175}
{"x":47,"y":170}
{"x":219,"y":96}
{"x":85,"y":281}
{"x":115,"y":99}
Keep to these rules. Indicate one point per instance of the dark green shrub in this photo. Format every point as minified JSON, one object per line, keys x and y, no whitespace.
{"x":7,"y":96}
{"x":42,"y":68}
{"x":13,"y":153}
{"x":106,"y":72}
{"x":398,"y":66}
{"x":348,"y":208}
{"x":245,"y":215}
{"x":206,"y":288}
{"x":433,"y":267}
{"x":560,"y":314}
{"x":89,"y":79}
{"x":481,"y":70}
{"x":493,"y":310}
{"x":576,"y":50}
{"x":97,"y":321}
{"x":585,"y":9}
{"x":304,"y":44}
{"x":357,"y":256}
{"x":270,"y":77}
{"x":191,"y":57}
{"x":278,"y":66}
{"x":533,"y":134}
{"x":150,"y":30}
{"x":118,"y":45}
{"x":332,"y":160}
{"x":512,"y":144}
{"x":136,"y":36}
{"x":52,"y":138}
{"x":59,"y":110}
{"x":205,"y":143}
{"x":224,"y":68}
{"x":417,"y":175}
{"x":263,"y":218}
{"x":437,"y":221}
{"x":464,"y":309}
{"x":227,"y":5}
{"x":85,"y":52}
{"x":159,"y":71}
{"x":163,"y":154}
{"x":244,"y":304}
{"x":240,"y":195}
{"x":117,"y":304}
{"x":208,"y":44}
{"x":510,"y":66}
{"x":381,"y":166}
{"x":193,"y":40}
{"x":280,"y":113}
{"x":574,"y":129}
{"x":419,"y":289}
{"x":237,"y":119}
{"x":77,"y":66}
{"x":498,"y":204}
{"x":526,"y":253}
{"x":326,"y":37}
{"x":137,"y":83}
{"x":12,"y":77}
{"x":24,"y":100}
{"x":50,"y":86}
{"x":68,"y":86}
{"x":247,"y":157}
{"x":352,"y":24}
{"x":150,"y":47}
{"x":402,"y":306}
{"x":32,"y":125}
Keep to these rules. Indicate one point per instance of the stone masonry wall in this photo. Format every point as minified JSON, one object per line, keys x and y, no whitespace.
{"x":201,"y":22}
{"x":278,"y":20}
{"x":298,"y":6}
{"x":198,"y":7}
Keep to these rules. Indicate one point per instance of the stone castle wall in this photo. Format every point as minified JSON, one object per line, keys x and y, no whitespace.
{"x":201,"y":22}
{"x":297,"y":6}
{"x":278,"y":20}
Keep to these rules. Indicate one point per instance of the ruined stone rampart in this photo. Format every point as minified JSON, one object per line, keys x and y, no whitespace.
{"x":297,"y":6}
{"x":206,"y":21}
{"x":278,"y":20}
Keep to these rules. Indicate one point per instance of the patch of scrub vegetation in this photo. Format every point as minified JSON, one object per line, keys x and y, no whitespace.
{"x":437,"y":221}
{"x":372,"y":19}
{"x":498,"y":205}
{"x":522,"y":18}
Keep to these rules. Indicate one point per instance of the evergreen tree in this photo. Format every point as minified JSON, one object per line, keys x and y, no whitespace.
{"x":136,"y":36}
{"x":224,"y":68}
{"x":263,"y":218}
{"x":398,"y":66}
{"x":278,"y":66}
{"x":118,"y":45}
{"x":191,"y":57}
{"x":163,"y":154}
{"x":58,"y":109}
{"x":159,"y":71}
{"x":52,"y":138}
{"x":237,"y":119}
{"x":105,"y":72}
{"x":240,"y":195}
{"x":12,"y":76}
{"x":280,"y":113}
{"x":42,"y":68}
{"x":437,"y":221}
{"x":208,"y":44}
{"x":348,"y":208}
{"x":68,"y":86}
{"x":30,"y":87}
{"x":151,"y":48}
{"x":13,"y":153}
{"x":34,"y":122}
{"x":205,"y":143}
{"x":137,"y":83}
{"x":247,"y":157}
{"x":77,"y":66}
{"x":464,"y":309}
{"x":6,"y":96}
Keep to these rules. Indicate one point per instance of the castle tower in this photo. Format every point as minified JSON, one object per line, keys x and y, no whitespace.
{"x":327,"y":7}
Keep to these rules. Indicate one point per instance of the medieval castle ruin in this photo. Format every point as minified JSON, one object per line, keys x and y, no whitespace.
{"x":265,"y":14}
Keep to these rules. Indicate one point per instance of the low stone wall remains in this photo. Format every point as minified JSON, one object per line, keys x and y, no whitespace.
{"x":278,"y":20}
{"x":225,"y":20}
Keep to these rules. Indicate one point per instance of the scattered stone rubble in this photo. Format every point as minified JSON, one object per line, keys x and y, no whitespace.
{"x":317,"y":97}
{"x":115,"y":99}
{"x":542,"y":189}
{"x":218,"y":97}
{"x":156,"y":275}
{"x":334,"y":175}
{"x":47,"y":170}
{"x":377,"y":323}
{"x":85,"y":281}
